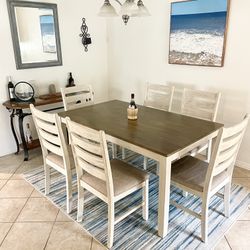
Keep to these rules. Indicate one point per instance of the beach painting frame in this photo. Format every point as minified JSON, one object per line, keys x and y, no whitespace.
{"x":198,"y":32}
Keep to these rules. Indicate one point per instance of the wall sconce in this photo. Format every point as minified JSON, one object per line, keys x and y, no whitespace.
{"x":128,"y":9}
{"x":86,"y":39}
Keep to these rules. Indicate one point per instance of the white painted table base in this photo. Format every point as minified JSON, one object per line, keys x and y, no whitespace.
{"x":164,"y":174}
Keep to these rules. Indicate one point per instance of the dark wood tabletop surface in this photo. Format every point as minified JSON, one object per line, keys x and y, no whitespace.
{"x":159,"y":131}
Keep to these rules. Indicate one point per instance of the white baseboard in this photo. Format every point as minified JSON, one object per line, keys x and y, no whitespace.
{"x":243,"y":164}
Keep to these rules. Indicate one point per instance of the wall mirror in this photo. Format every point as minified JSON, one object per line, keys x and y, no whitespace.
{"x":35,"y":34}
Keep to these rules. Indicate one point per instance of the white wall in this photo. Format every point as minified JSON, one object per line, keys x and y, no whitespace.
{"x":87,"y":68}
{"x":138,"y":53}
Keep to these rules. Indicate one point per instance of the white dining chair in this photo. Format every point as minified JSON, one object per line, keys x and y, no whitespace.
{"x":111,"y":181}
{"x":77,"y":97}
{"x":203,"y":105}
{"x":205,"y":179}
{"x":159,"y":97}
{"x":56,"y":153}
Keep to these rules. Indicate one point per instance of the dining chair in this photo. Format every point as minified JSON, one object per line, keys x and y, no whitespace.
{"x":159,"y":97}
{"x":203,"y":105}
{"x":77,"y":97}
{"x":205,"y":179}
{"x":111,"y":181}
{"x":56,"y":153}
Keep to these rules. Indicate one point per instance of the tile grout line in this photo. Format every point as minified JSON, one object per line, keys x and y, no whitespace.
{"x":13,"y":223}
{"x":51,"y":230}
{"x":4,"y":183}
{"x":228,"y":242}
{"x":11,"y":174}
{"x":7,"y":180}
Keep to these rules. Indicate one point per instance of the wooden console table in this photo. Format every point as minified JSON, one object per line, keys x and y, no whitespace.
{"x":17,"y":109}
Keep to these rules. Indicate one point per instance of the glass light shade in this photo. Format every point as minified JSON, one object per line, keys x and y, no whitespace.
{"x":107,"y":10}
{"x":128,"y":8}
{"x":142,"y":11}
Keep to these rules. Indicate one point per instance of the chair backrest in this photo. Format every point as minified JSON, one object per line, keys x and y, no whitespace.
{"x":49,"y":130}
{"x":77,"y":97}
{"x":159,"y":96}
{"x":225,"y":151}
{"x":200,"y":104}
{"x":90,"y":153}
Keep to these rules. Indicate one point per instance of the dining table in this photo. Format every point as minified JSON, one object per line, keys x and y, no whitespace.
{"x":160,"y":135}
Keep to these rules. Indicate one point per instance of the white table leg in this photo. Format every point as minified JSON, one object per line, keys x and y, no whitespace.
{"x":164,"y":195}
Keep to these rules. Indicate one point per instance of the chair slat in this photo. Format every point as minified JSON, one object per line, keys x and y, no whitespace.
{"x":76,"y":97}
{"x":54,"y":149}
{"x":47,"y":126}
{"x":235,"y":129}
{"x":79,"y":97}
{"x":197,"y":113}
{"x":48,"y":117}
{"x":86,"y":144}
{"x":230,"y":142}
{"x":200,"y":104}
{"x":223,"y":166}
{"x":86,"y":133}
{"x":95,"y":171}
{"x":159,"y":96}
{"x":50,"y":137}
{"x":90,"y":158}
{"x":225,"y":155}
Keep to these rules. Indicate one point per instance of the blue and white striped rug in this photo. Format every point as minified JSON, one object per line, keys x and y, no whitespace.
{"x":135,"y":233}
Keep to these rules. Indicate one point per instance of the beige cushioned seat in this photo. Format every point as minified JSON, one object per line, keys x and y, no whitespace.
{"x":58,"y":160}
{"x":191,"y":172}
{"x":124,"y":176}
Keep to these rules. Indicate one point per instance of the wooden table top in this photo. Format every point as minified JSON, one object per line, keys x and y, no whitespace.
{"x":158,"y":131}
{"x":43,"y":100}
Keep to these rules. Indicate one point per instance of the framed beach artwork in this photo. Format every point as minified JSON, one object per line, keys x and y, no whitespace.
{"x":198,"y":32}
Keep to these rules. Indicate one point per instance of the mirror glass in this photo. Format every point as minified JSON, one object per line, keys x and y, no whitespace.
{"x":35,"y":34}
{"x":24,"y":91}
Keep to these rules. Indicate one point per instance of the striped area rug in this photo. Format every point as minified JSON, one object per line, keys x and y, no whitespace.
{"x":135,"y":233}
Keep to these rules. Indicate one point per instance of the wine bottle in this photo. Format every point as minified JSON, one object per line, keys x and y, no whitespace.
{"x":28,"y":134}
{"x":11,"y":90}
{"x":70,"y":81}
{"x":132,"y":102}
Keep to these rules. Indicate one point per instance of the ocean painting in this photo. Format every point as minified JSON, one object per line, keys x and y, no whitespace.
{"x":197,"y":33}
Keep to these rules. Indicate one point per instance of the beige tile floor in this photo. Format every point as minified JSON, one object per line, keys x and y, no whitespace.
{"x":30,"y":221}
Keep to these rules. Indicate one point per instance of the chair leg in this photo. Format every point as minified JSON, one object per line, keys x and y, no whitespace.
{"x":145,"y":200}
{"x":47,"y":178}
{"x":123,"y":153}
{"x":204,"y":221}
{"x":111,"y":223}
{"x":208,"y":151}
{"x":69,"y":192}
{"x":157,"y":168}
{"x":184,"y":194}
{"x":145,"y":162}
{"x":227,"y":194}
{"x":114,"y":151}
{"x":80,"y":205}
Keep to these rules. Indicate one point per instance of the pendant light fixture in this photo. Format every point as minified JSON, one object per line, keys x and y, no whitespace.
{"x":129,"y":9}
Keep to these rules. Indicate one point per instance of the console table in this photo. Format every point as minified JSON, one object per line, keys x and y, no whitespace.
{"x":17,"y":109}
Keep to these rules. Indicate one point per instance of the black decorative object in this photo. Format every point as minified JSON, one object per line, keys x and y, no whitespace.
{"x":86,"y":39}
{"x":24,"y":92}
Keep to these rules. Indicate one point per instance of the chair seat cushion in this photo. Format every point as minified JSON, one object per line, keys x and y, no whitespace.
{"x":191,"y":173}
{"x":58,"y":160}
{"x":124,"y":176}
